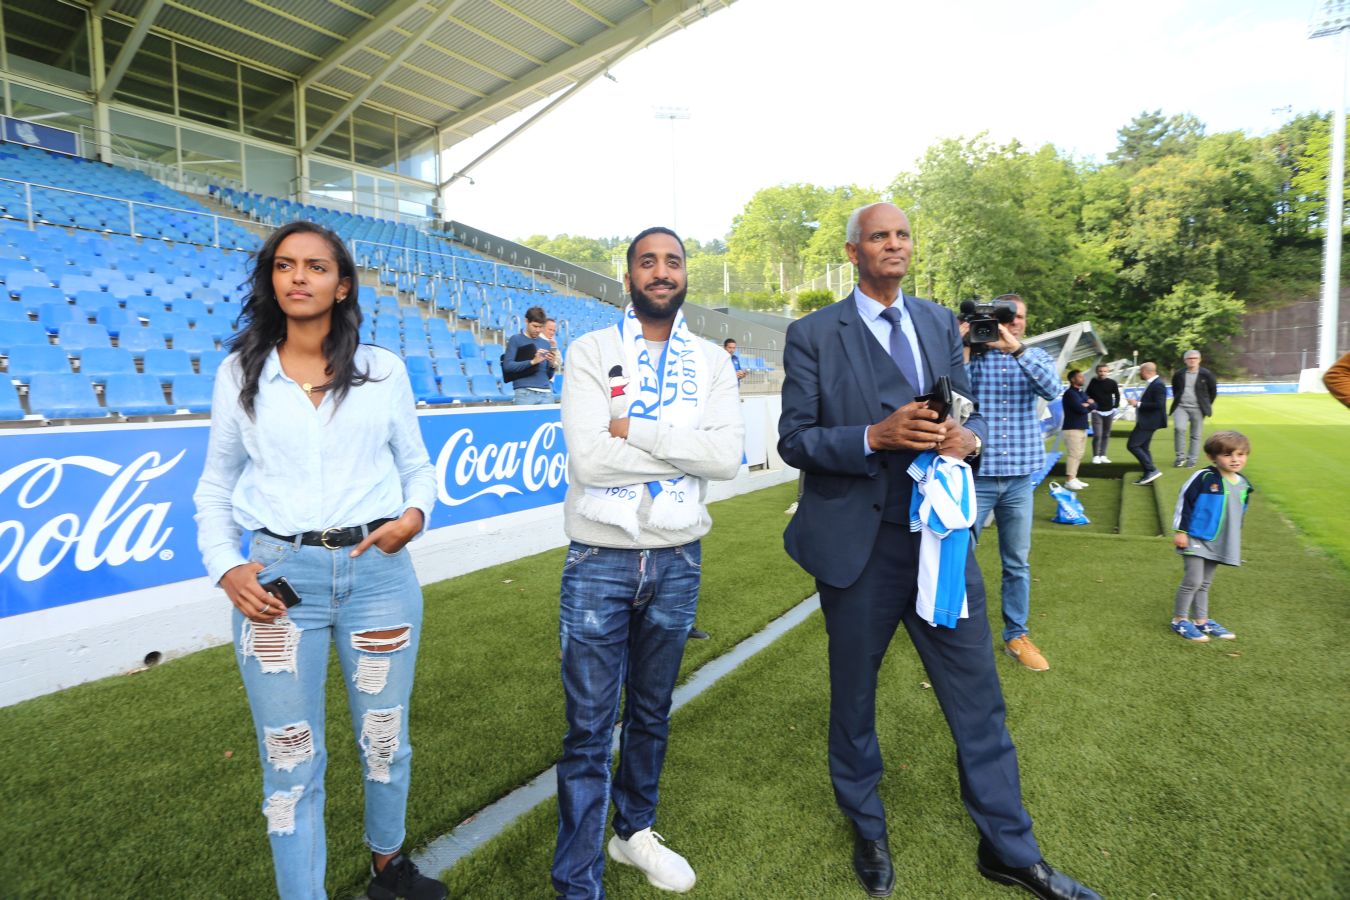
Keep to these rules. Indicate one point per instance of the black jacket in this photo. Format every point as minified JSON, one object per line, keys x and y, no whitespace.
{"x":1206,"y":389}
{"x":1106,"y":392}
{"x":1152,"y":407}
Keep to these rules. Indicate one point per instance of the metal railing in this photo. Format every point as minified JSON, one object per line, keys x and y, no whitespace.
{"x":31,"y":214}
{"x":111,"y":147}
{"x":838,"y":278}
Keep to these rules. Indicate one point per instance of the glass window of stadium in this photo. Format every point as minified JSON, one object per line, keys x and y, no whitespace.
{"x":210,"y":155}
{"x":46,"y":39}
{"x":208,"y":87}
{"x":268,"y":171}
{"x":416,"y":201}
{"x":332,"y":183}
{"x":143,"y":138}
{"x":148,"y":82}
{"x":416,"y":150}
{"x":269,"y":106}
{"x":49,"y":109}
{"x":373,"y":137}
{"x":319,"y":109}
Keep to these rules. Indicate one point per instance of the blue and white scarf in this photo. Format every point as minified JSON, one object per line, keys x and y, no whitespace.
{"x":942,"y":507}
{"x":671,"y":391}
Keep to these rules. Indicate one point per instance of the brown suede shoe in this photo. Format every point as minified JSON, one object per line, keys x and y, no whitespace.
{"x":1024,"y":651}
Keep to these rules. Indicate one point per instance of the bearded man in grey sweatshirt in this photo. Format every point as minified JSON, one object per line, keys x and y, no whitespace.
{"x":651,"y":414}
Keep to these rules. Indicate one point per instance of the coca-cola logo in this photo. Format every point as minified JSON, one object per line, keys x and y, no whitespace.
{"x":467,"y":470}
{"x":118,"y":529}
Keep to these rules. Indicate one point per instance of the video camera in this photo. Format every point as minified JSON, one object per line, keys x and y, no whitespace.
{"x":984,"y":319}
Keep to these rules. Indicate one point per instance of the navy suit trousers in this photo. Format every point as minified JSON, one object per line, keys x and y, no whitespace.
{"x":861,"y":620}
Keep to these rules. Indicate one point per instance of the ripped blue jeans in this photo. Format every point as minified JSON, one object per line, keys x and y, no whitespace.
{"x":625,"y":617}
{"x":371,"y":608}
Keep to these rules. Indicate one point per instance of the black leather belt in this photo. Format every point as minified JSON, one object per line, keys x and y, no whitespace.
{"x":332,"y":538}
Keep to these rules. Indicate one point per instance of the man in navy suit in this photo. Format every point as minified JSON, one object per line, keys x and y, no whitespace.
{"x":1152,"y":415}
{"x":850,"y":422}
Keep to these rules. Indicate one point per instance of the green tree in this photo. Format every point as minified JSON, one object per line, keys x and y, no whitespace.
{"x":775,"y":228}
{"x":1151,"y":136}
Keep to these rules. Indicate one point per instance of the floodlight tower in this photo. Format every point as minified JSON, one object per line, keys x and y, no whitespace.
{"x":672,"y":113}
{"x":1333,"y":19}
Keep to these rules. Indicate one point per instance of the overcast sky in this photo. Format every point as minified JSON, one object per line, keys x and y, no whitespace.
{"x":854,"y":91}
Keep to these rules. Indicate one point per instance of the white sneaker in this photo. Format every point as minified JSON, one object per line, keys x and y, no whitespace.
{"x":1106,"y":460}
{"x":1074,"y":484}
{"x":664,"y":868}
{"x":791,"y":510}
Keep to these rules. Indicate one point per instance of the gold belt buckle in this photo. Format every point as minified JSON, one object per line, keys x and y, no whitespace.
{"x":323,"y":539}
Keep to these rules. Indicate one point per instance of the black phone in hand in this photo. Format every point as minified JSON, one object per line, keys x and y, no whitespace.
{"x":939,"y":399}
{"x":282,"y":590}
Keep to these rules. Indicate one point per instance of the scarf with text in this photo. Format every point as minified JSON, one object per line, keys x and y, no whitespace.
{"x":942,"y":507}
{"x":671,"y":391}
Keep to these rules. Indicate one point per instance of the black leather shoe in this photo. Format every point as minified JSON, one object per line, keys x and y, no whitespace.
{"x":1041,"y":879}
{"x":872,"y":864}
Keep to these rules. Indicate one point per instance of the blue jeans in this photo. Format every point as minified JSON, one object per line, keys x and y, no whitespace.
{"x":1011,"y":500}
{"x":527,"y":397}
{"x":625,"y":617}
{"x":371,"y":607}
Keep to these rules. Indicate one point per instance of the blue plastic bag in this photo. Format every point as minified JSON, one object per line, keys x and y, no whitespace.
{"x":1069,"y":509}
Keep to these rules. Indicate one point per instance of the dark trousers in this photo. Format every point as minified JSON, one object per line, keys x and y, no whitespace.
{"x":861,"y":620}
{"x":1138,"y":443}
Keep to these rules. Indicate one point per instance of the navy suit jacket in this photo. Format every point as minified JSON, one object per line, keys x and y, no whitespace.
{"x":1152,"y":413}
{"x":830,"y":396}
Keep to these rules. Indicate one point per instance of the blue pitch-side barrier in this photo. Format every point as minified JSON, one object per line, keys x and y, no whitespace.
{"x":102,"y":511}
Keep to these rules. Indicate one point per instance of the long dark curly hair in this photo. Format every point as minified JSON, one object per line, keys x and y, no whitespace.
{"x":264,"y":324}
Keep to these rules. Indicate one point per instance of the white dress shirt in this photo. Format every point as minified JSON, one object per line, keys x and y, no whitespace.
{"x":295,"y":467}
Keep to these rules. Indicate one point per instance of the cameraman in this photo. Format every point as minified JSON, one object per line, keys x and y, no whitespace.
{"x":1007,"y":377}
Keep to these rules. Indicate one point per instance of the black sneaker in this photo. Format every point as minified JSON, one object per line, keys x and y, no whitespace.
{"x":696,"y":634}
{"x":400,"y":878}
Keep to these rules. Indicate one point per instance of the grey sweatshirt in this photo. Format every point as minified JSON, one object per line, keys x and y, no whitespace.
{"x":653,"y":451}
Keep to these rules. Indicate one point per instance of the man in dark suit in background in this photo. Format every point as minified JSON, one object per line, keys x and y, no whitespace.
{"x":850,"y":421}
{"x":1194,"y":389}
{"x":1152,"y":415}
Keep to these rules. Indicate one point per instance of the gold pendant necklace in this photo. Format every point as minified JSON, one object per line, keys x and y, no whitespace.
{"x":308,"y":388}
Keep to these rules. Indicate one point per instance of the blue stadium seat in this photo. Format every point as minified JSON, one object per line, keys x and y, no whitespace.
{"x":100,"y":362}
{"x":485,"y":387}
{"x":420,"y":365}
{"x":167,"y":365}
{"x":140,"y":340}
{"x":193,"y":392}
{"x":11,"y":410}
{"x":20,"y":334}
{"x":116,"y":319}
{"x":64,"y":396}
{"x":12,"y":311}
{"x":55,"y":315}
{"x":76,"y":337}
{"x":210,"y":360}
{"x":194,"y":341}
{"x":26,"y":361}
{"x":425,"y":389}
{"x":455,"y":386}
{"x":195,"y":310}
{"x":476,"y":366}
{"x":136,"y":395}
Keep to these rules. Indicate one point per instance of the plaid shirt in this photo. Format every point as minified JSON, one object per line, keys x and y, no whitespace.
{"x":1006,"y":390}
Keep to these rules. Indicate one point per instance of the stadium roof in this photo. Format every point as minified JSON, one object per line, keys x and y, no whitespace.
{"x":460,"y":65}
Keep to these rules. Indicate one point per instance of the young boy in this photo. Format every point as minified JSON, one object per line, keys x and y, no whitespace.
{"x":1208,"y":522}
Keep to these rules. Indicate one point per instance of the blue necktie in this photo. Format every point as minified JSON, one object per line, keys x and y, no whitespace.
{"x":901,"y":351}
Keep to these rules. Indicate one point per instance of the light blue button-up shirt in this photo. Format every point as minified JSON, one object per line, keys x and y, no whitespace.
{"x":296,"y":467}
{"x":870,"y":310}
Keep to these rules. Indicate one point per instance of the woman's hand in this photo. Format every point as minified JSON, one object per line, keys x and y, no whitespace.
{"x":391,"y":537}
{"x":242,"y":587}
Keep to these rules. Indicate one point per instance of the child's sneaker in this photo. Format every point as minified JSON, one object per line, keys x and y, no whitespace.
{"x":1214,"y":629}
{"x":1186,"y":628}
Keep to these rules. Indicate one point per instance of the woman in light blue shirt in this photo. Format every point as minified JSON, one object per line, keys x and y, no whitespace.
{"x":315,"y":449}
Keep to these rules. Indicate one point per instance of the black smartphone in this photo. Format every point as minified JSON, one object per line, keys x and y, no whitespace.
{"x":939,"y":399}
{"x":282,"y":590}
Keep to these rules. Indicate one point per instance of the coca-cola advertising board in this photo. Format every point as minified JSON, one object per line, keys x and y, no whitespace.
{"x":96,"y":511}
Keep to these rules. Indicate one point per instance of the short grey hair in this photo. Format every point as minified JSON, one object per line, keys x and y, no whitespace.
{"x":1191,"y":353}
{"x":853,"y":230}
